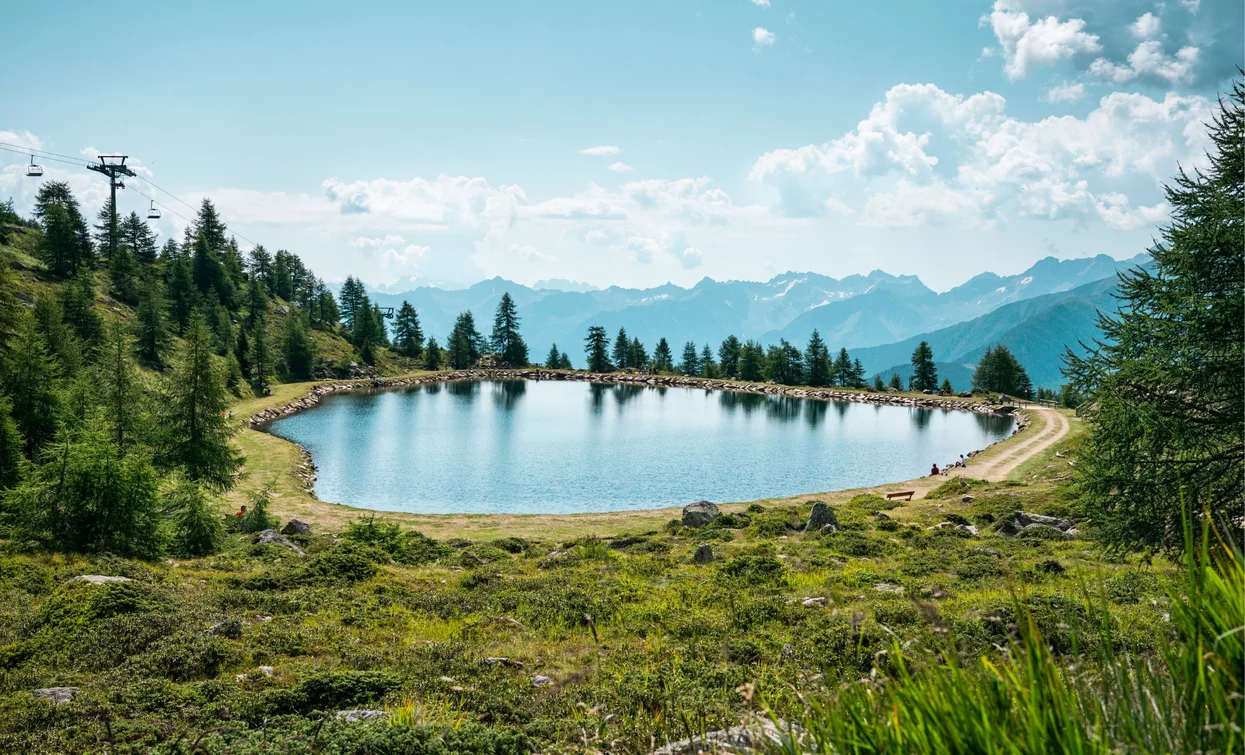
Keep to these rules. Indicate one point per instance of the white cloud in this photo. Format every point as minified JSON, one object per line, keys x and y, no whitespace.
{"x":1029,"y":43}
{"x":1065,"y":92}
{"x":601,"y":151}
{"x":529,"y":253}
{"x":691,"y":257}
{"x":1146,"y":26}
{"x":1149,"y":60}
{"x":391,"y":250}
{"x":761,"y":3}
{"x":619,"y":167}
{"x":762,"y":37}
{"x":925,"y":157}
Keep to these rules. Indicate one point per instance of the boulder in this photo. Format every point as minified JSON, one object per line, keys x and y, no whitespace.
{"x":750,"y":737}
{"x":360,"y":714}
{"x":295,"y":527}
{"x":821,"y":516}
{"x":540,"y":680}
{"x":703,"y":554}
{"x":813,"y":602}
{"x":272,"y":536}
{"x":967,"y":499}
{"x":97,"y":579}
{"x":884,"y":587}
{"x":1024,"y":519}
{"x":1034,"y":525}
{"x":58,"y":695}
{"x":699,"y":514}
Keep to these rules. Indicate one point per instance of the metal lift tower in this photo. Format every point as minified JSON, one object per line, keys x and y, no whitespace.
{"x":113,"y":166}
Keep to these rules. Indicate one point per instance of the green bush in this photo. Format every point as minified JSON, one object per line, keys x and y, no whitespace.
{"x":345,"y":564}
{"x":198,"y":529}
{"x":258,"y":518}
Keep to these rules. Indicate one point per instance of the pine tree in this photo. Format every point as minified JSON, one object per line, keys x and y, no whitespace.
{"x":841,"y":369}
{"x":137,"y":235}
{"x":66,"y":243}
{"x":352,"y":298}
{"x":708,"y":367}
{"x":12,"y":465}
{"x":689,"y":363}
{"x":924,"y":373}
{"x":554,"y":360}
{"x":464,"y":345}
{"x":170,"y":251}
{"x":816,"y":358}
{"x":565,"y":364}
{"x":946,"y":386}
{"x":197,"y":527}
{"x":121,"y":391}
{"x":858,"y":374}
{"x":105,"y":232}
{"x":257,"y":301}
{"x":123,"y":275}
{"x":30,"y":379}
{"x":999,"y":371}
{"x":728,"y":356}
{"x":506,"y":339}
{"x":432,"y":355}
{"x":260,"y":356}
{"x":59,"y":338}
{"x":408,"y":337}
{"x":297,"y":350}
{"x":596,"y":349}
{"x":637,"y":355}
{"x":784,"y":364}
{"x":197,"y":435}
{"x":1024,"y":386}
{"x":242,"y":352}
{"x":663,"y":360}
{"x":878,"y":385}
{"x":752,"y":362}
{"x":622,"y":349}
{"x":183,"y":298}
{"x":896,"y":383}
{"x":77,"y":299}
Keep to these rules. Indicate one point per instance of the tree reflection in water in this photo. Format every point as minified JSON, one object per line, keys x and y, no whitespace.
{"x":507,"y":393}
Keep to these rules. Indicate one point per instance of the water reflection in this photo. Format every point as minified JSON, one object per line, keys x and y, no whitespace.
{"x":466,"y":389}
{"x":507,"y":394}
{"x":921,"y":417}
{"x":745,"y":402}
{"x":815,"y":412}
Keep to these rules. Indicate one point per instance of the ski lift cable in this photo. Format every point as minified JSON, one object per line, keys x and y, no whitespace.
{"x":77,"y":162}
{"x":43,"y":153}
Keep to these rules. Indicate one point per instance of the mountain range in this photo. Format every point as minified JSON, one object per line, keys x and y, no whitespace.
{"x":879,"y":316}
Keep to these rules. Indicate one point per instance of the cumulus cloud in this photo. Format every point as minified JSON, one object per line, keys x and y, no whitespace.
{"x":619,"y":167}
{"x":1065,"y":92}
{"x":601,"y":151}
{"x":761,"y":3}
{"x":1027,"y":43}
{"x":1149,"y":60}
{"x":529,"y":253}
{"x":391,"y":250}
{"x":762,"y":37}
{"x":1146,"y":26}
{"x":924,"y":156}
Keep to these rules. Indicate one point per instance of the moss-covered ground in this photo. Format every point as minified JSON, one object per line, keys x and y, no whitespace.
{"x":541,"y":643}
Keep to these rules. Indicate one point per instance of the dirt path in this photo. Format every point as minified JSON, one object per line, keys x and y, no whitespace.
{"x":1049,"y":427}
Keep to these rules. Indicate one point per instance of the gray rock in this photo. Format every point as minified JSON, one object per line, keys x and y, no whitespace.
{"x":1043,"y":532}
{"x":750,"y":737}
{"x":703,"y":554}
{"x":813,"y":602}
{"x":1021,"y":521}
{"x":820,"y":517}
{"x":58,"y":695}
{"x":540,"y":680}
{"x":1024,"y":519}
{"x":272,"y":536}
{"x":884,"y":587}
{"x":97,"y":579}
{"x":829,"y":528}
{"x":967,"y":499}
{"x":295,"y":527}
{"x":360,"y":714}
{"x":699,"y":514}
{"x":969,"y":528}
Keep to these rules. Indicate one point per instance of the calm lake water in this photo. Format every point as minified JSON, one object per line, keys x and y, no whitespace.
{"x":556,"y":447}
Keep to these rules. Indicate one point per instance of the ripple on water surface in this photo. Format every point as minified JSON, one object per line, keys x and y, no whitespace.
{"x":558,"y":447}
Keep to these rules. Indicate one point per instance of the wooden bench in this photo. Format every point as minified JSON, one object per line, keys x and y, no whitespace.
{"x":905,"y":495}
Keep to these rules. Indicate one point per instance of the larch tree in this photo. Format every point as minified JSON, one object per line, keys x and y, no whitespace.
{"x":622,"y":350}
{"x":728,"y":356}
{"x":596,"y":349}
{"x":924,"y":373}
{"x":689,"y":364}
{"x":505,"y":338}
{"x":663,"y":359}
{"x":31,"y":375}
{"x":408,"y":336}
{"x":817,"y":360}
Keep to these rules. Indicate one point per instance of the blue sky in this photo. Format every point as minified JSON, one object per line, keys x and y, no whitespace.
{"x":634,"y":143}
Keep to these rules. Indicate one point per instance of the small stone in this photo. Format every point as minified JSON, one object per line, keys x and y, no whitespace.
{"x":97,"y":579}
{"x":361,"y":714}
{"x":829,"y":529}
{"x":540,"y":680}
{"x":704,"y":554}
{"x":969,"y":528}
{"x":821,"y":517}
{"x":967,"y":499}
{"x":699,"y":514}
{"x":58,"y":695}
{"x":885,"y":587}
{"x":265,"y":670}
{"x":295,"y":527}
{"x":813,"y":602}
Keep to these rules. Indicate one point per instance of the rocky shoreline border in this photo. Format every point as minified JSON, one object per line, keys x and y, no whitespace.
{"x":317,"y":392}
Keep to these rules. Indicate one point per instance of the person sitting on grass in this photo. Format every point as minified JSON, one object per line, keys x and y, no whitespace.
{"x":933,"y":472}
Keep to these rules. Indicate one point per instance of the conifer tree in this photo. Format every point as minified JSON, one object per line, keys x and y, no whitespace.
{"x":170,"y":251}
{"x":816,"y":358}
{"x":260,"y":356}
{"x":197,"y":527}
{"x":751,"y":362}
{"x":11,"y":443}
{"x":408,"y":336}
{"x":123,"y":275}
{"x":1163,"y":389}
{"x":784,"y":364}
{"x":596,"y":349}
{"x":554,"y":360}
{"x":257,"y":301}
{"x":896,"y":383}
{"x":137,"y":236}
{"x":663,"y":360}
{"x":506,"y":339}
{"x":622,"y":350}
{"x":432,"y":355}
{"x":464,"y":345}
{"x":196,"y":432}
{"x":104,"y":232}
{"x":77,"y":299}
{"x":637,"y":355}
{"x":690,"y":363}
{"x":59,"y":338}
{"x":841,"y":369}
{"x":30,"y":379}
{"x":728,"y":356}
{"x":858,"y":374}
{"x":352,"y":298}
{"x":566,"y":362}
{"x":66,"y":243}
{"x":259,"y":265}
{"x":182,"y":296}
{"x":121,"y":391}
{"x":708,"y":367}
{"x":924,"y":373}
{"x":297,"y":350}
{"x":878,"y":385}
{"x":946,"y":386}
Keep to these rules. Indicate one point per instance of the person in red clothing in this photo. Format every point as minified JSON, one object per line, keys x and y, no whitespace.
{"x":933,"y":471}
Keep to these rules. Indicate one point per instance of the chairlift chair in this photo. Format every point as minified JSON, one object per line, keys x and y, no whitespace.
{"x":154,"y":212}
{"x":34,"y":171}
